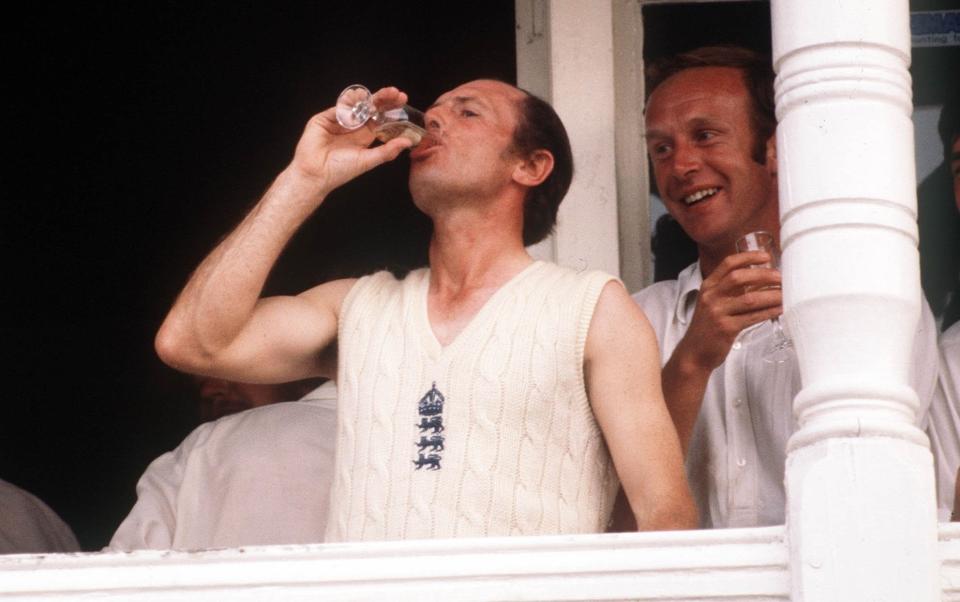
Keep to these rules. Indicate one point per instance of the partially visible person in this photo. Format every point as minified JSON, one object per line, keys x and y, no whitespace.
{"x":955,"y":154}
{"x":939,"y":224}
{"x":256,"y":477}
{"x":944,"y":429}
{"x":949,"y":127}
{"x":220,"y":397}
{"x":672,"y":249}
{"x":28,"y":526}
{"x":710,"y":130}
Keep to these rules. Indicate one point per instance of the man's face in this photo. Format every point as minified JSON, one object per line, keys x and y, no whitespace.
{"x":469,"y":147}
{"x":700,"y":140}
{"x":955,"y":170}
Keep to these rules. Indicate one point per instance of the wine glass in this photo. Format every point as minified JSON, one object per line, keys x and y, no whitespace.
{"x":355,"y":108}
{"x":779,"y":351}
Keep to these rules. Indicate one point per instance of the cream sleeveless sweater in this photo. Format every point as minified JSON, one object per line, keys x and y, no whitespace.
{"x":491,"y":435}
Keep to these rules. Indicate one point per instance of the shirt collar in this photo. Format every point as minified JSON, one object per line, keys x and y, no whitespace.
{"x":325,"y":392}
{"x":688,"y":286}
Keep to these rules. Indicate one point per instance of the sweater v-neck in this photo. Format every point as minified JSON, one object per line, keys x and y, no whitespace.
{"x":431,"y":344}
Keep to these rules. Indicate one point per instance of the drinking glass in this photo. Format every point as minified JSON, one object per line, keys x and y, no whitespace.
{"x":355,"y":108}
{"x":779,"y":351}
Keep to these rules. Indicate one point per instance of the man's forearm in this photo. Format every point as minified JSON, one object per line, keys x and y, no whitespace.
{"x":680,"y":513}
{"x":222,"y":293}
{"x":684,"y":385}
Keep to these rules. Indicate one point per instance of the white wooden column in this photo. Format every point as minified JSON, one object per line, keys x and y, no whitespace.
{"x":860,"y":513}
{"x":566,"y":55}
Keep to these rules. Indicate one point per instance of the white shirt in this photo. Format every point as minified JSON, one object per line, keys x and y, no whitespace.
{"x":254,"y":478}
{"x":735,"y":463}
{"x":28,"y":526}
{"x":944,"y":427}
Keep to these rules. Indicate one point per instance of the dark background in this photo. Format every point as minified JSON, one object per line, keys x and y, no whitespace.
{"x":137,"y":135}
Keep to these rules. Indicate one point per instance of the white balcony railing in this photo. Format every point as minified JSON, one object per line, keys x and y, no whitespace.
{"x":694,"y":565}
{"x":733,"y":564}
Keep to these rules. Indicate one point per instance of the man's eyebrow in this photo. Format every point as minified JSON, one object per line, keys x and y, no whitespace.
{"x":459,"y":100}
{"x":693,"y":123}
{"x":699,"y":122}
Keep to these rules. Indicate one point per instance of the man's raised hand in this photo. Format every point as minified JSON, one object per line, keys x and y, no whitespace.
{"x":733,"y":297}
{"x":329,"y":155}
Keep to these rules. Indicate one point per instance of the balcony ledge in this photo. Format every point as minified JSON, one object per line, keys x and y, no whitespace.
{"x":693,"y":565}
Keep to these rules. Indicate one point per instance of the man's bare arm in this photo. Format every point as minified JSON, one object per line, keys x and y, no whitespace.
{"x":623,"y":381}
{"x":723,"y":310}
{"x":219,"y":325}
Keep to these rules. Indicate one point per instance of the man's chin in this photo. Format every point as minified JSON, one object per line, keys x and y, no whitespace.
{"x":424,"y":184}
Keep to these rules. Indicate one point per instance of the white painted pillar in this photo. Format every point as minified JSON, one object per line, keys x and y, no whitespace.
{"x":861,"y":515}
{"x":566,"y":55}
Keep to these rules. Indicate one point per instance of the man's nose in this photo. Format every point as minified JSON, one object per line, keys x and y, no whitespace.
{"x":686,"y":160}
{"x":433,"y":120}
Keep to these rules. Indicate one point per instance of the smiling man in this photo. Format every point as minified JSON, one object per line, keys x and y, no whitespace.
{"x":710,"y":135}
{"x":490,"y":394}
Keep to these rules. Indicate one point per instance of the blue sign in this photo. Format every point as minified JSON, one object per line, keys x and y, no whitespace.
{"x":935,"y":28}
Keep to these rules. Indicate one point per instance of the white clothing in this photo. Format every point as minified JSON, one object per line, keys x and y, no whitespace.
{"x":28,"y":526}
{"x":492,"y":434}
{"x":735,"y":462}
{"x":944,"y":429}
{"x":257,"y":477}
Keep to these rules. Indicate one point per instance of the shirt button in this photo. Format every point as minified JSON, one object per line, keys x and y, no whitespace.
{"x":737,"y":403}
{"x":742,"y":462}
{"x":736,"y":345}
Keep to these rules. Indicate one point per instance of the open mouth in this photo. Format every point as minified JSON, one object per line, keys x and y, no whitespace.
{"x":426,"y":145}
{"x":700,"y":195}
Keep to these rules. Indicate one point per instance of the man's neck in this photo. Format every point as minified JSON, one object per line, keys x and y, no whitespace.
{"x":474,"y":250}
{"x":710,"y":258}
{"x":472,"y":255}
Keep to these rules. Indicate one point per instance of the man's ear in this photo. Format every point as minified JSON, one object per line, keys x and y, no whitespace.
{"x":537,"y":166}
{"x":771,"y":154}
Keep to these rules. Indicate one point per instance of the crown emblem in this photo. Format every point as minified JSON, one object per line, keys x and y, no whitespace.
{"x":431,"y":404}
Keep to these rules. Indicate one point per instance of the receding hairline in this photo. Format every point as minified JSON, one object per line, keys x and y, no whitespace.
{"x":500,"y":82}
{"x":461,"y":98}
{"x":742,"y":88}
{"x":740,"y":71}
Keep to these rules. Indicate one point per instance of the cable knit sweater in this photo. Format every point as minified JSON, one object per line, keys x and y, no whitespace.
{"x":490,"y":435}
